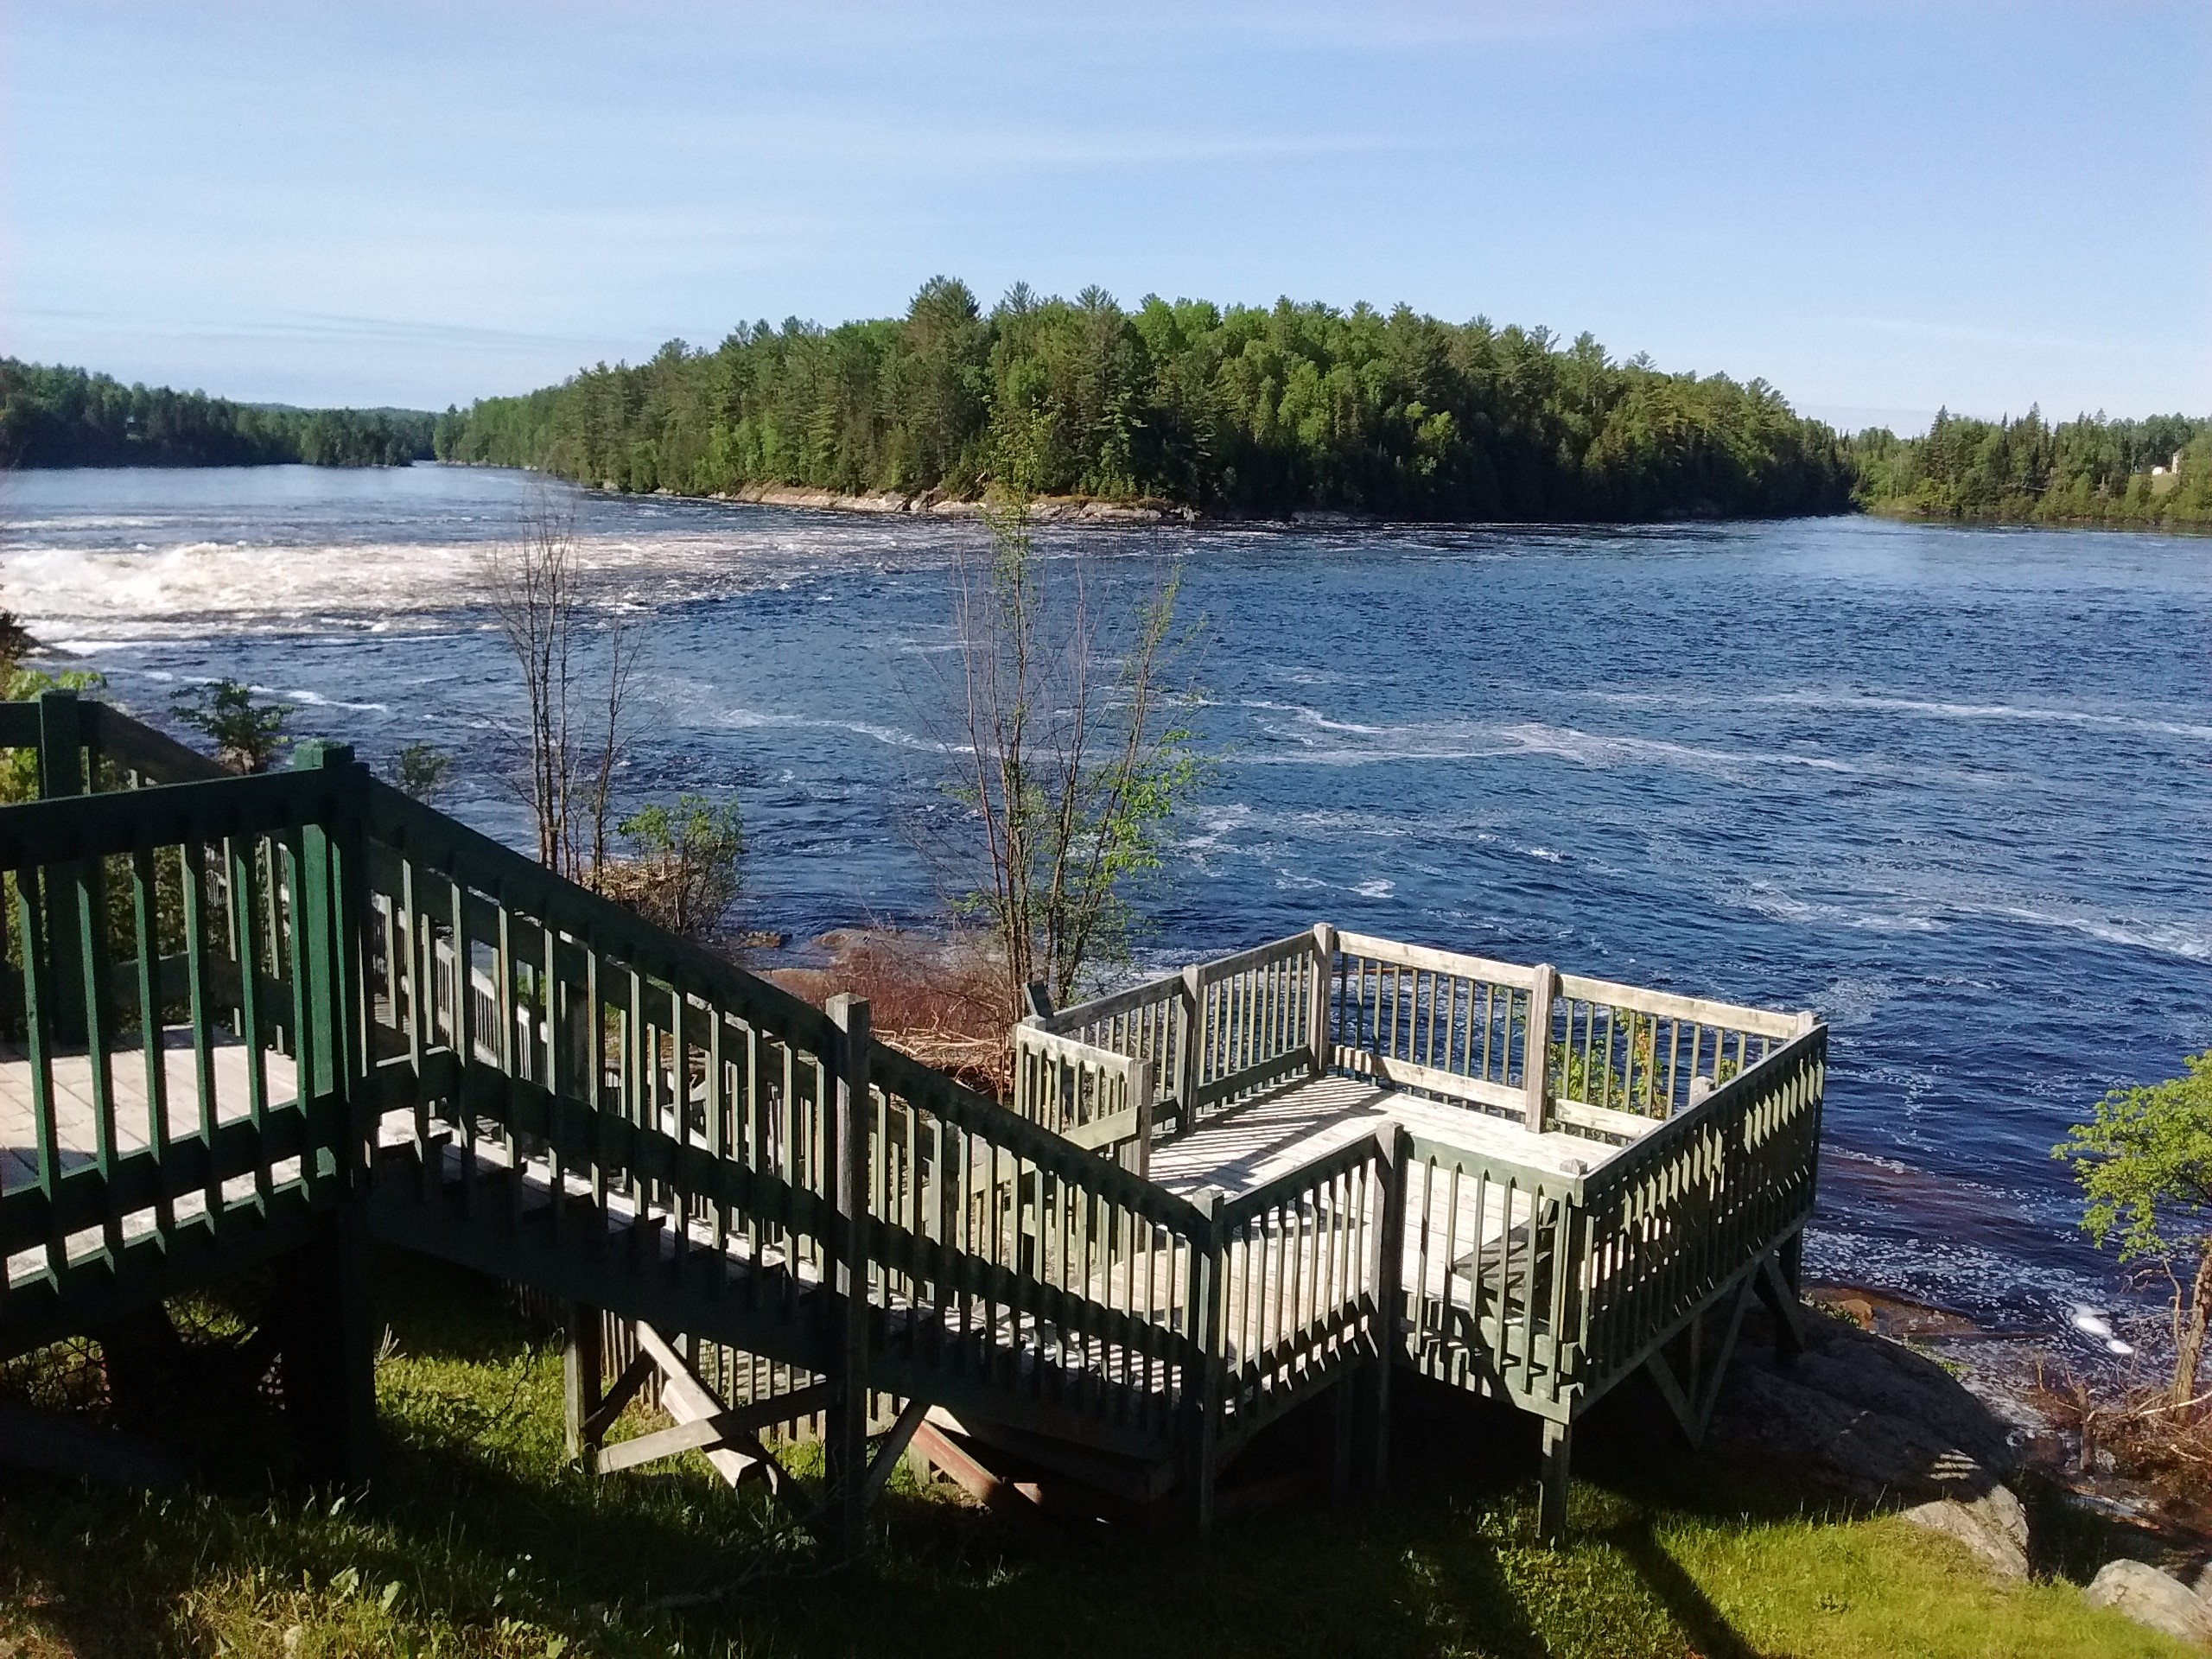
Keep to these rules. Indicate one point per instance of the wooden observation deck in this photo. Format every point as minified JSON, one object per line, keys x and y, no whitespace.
{"x":272,"y":1017}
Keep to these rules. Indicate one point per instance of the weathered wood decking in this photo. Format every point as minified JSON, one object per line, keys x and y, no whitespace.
{"x":1215,"y":1195}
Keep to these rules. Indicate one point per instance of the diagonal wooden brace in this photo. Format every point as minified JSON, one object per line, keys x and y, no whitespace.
{"x":731,"y":1430}
{"x":891,"y":1448}
{"x":625,"y":1387}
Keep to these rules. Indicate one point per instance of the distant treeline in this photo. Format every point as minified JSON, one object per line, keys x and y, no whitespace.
{"x":1245,"y":409}
{"x":2026,"y":470}
{"x":67,"y":417}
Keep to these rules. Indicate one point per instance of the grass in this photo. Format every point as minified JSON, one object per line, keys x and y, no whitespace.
{"x":477,"y":1539}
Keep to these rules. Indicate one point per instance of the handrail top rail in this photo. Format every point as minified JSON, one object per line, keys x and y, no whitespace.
{"x":1034,"y":1033}
{"x":1429,"y":959}
{"x":1125,"y":1000}
{"x":1578,"y":987}
{"x":918,"y":1085}
{"x":409,"y":826}
{"x":95,"y":826}
{"x":1257,"y":955}
{"x":1674,"y":1004}
{"x":117,"y":735}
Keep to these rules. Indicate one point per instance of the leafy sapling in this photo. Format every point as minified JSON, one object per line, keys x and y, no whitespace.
{"x":248,"y":735}
{"x":2144,"y":1164}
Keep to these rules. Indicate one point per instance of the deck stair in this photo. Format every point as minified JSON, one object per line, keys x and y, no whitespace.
{"x":279,"y":1017}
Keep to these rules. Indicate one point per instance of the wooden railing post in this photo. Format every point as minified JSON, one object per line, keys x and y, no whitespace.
{"x":1186,"y":1063}
{"x":846,"y":1157}
{"x":1141,"y":1102}
{"x":1205,"y":1376}
{"x":1537,"y":1048}
{"x":1319,"y":1031}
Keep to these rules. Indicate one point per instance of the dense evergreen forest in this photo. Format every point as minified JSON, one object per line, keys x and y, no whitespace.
{"x":67,"y":417}
{"x":2085,"y":471}
{"x":1247,"y":410}
{"x":1243,"y":410}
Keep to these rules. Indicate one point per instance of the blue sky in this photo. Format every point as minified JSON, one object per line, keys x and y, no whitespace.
{"x":1878,"y":207}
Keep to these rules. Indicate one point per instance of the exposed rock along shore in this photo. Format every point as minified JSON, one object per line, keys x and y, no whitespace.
{"x":929,"y":504}
{"x":1050,"y":509}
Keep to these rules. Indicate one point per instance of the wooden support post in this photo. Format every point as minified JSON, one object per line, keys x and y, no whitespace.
{"x":583,"y":1360}
{"x":1321,"y":1035}
{"x":1344,"y":1433}
{"x":1536,"y":1049}
{"x":1395,"y":1170}
{"x":327,"y":1331}
{"x":1551,"y":1504}
{"x":1790,"y":1261}
{"x":1772,"y":1281}
{"x":846,"y":1128}
{"x":1204,"y":1372}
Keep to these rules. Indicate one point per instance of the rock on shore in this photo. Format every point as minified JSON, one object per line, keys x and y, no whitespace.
{"x":2149,"y":1597}
{"x":1884,"y":1425}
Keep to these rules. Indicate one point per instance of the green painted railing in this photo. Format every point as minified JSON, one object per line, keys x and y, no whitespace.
{"x":511,"y":1071}
{"x":177,"y":1053}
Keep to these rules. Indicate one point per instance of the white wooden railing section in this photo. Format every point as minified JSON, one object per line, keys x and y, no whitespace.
{"x":1614,"y":1060}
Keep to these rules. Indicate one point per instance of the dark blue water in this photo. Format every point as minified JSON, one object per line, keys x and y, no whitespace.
{"x":1946,"y":786}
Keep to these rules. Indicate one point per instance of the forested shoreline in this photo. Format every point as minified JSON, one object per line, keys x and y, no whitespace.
{"x":57,"y":416}
{"x":1186,"y":403}
{"x":1179,"y":406}
{"x":2027,"y":470}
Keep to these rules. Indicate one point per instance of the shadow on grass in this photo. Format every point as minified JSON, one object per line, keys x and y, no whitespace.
{"x":476,"y":1520}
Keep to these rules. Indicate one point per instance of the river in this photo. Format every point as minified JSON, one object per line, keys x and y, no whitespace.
{"x":1946,"y":786}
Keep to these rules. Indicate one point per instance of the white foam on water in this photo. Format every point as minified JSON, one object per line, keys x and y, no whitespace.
{"x":2191,"y":942}
{"x":2024,"y":713}
{"x":1764,"y":899}
{"x":103,"y":594}
{"x":741,"y":719}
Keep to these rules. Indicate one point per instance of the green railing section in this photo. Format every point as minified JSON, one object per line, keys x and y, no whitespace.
{"x":178,"y":1054}
{"x":375,"y":1002}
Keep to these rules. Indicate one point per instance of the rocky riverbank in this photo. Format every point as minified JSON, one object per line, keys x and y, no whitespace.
{"x":930,"y":504}
{"x":1901,"y":1407}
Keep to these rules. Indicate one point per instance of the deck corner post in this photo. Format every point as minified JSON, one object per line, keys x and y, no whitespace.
{"x":61,"y":772}
{"x":1319,"y":1032}
{"x":60,"y":744}
{"x":1551,"y":1503}
{"x":1537,"y":1048}
{"x":1205,"y":1372}
{"x":583,"y":1381}
{"x":333,"y":958}
{"x":1142,"y":1104}
{"x":845,"y":1127}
